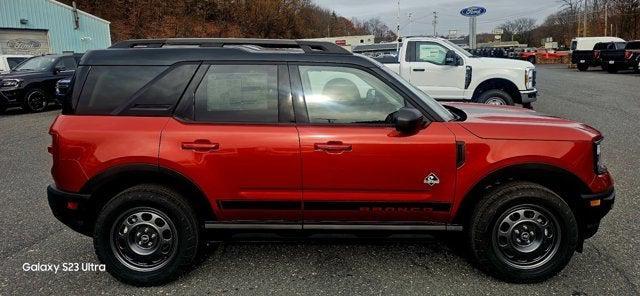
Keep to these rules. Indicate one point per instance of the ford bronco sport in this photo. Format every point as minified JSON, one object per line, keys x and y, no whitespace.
{"x":163,"y":141}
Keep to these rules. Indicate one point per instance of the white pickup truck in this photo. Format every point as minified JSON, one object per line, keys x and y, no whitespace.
{"x":446,"y":71}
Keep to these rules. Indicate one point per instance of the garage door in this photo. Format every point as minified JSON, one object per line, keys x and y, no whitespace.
{"x":17,"y":41}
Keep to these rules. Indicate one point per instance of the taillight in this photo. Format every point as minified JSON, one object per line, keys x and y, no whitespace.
{"x":628,"y":54}
{"x":596,"y":54}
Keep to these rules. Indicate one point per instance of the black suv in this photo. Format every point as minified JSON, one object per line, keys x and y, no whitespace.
{"x":31,"y":85}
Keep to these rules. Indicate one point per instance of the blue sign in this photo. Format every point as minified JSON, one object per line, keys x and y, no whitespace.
{"x":473,"y":11}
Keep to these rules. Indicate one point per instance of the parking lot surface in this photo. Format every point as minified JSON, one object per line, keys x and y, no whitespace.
{"x":330,"y":265}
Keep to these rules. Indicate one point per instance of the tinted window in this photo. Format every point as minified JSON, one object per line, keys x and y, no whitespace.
{"x":163,"y":93}
{"x":347,"y":95}
{"x":108,"y":87}
{"x":238,"y":93}
{"x":40,"y":63}
{"x":66,"y":63}
{"x":431,"y":52}
{"x":574,"y":45}
{"x":13,"y":62}
{"x":600,"y":46}
{"x":633,"y":45}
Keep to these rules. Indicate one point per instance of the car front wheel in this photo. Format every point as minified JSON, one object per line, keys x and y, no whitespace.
{"x":583,"y":67}
{"x":146,"y":235}
{"x":35,"y":100}
{"x":495,"y":97}
{"x":522,"y":232}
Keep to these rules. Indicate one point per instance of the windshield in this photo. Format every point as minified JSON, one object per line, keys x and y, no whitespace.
{"x":36,"y":64}
{"x":458,"y":48}
{"x":433,"y":104}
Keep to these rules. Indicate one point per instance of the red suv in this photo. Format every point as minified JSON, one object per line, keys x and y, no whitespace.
{"x":162,"y":142}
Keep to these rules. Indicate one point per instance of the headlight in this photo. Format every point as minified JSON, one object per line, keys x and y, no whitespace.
{"x":530,"y":78}
{"x":10,"y":83}
{"x":598,"y":164}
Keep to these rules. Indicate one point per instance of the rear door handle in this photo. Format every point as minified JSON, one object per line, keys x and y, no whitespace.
{"x":418,"y":70}
{"x":200,"y":146}
{"x":332,"y":147}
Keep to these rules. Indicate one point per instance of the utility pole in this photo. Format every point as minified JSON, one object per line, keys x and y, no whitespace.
{"x":435,"y":24}
{"x":398,"y":31}
{"x":606,"y":17}
{"x":409,"y":24}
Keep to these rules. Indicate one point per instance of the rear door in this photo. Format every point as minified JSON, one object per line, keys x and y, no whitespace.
{"x":235,"y":138}
{"x":356,"y":166}
{"x":429,"y":72}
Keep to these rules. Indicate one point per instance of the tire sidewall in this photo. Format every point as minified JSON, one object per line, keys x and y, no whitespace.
{"x":583,"y":67}
{"x":485,"y":225}
{"x":26,"y":100}
{"x":185,"y":224}
{"x":496,"y":93}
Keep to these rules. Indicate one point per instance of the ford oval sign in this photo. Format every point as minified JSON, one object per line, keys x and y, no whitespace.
{"x":473,"y":11}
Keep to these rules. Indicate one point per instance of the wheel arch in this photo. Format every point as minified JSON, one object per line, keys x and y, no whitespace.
{"x":107,"y":184}
{"x":498,"y":83}
{"x":566,"y":184}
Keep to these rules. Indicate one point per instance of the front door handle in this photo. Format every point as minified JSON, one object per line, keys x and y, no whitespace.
{"x":418,"y":70}
{"x":200,"y":146}
{"x":332,"y":147}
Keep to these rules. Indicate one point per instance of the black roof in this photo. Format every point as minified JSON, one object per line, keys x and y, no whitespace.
{"x":161,"y":52}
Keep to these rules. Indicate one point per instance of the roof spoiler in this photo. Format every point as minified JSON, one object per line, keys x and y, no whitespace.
{"x":306,"y":46}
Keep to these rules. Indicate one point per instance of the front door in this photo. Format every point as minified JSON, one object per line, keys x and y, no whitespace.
{"x":429,"y":72}
{"x":239,"y":144}
{"x":356,"y":166}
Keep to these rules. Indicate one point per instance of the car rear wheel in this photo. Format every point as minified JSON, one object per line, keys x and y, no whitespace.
{"x":35,"y":100}
{"x":495,"y":97}
{"x":583,"y":67}
{"x":612,"y":69}
{"x":146,"y":235}
{"x":522,"y":232}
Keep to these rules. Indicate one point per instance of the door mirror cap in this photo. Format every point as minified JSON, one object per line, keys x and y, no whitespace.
{"x":408,"y":120}
{"x":452,"y":59}
{"x":57,"y":70}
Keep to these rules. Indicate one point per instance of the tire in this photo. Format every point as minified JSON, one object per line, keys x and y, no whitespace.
{"x":495,"y":97}
{"x":583,"y":67}
{"x":532,"y":60}
{"x":522,"y":202}
{"x":3,"y":108}
{"x":172,"y":235}
{"x":612,"y":69}
{"x":35,"y":100}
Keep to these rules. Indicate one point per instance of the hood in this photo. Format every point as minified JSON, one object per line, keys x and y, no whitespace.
{"x":24,"y":75}
{"x":517,"y":123}
{"x":502,"y":63}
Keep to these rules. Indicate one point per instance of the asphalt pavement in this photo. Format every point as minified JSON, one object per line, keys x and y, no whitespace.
{"x":334,"y":265}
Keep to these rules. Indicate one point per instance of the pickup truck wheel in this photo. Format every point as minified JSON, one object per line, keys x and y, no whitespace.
{"x":146,"y":235}
{"x":495,"y":97}
{"x":612,"y":69}
{"x":35,"y":100}
{"x":522,"y":232}
{"x":583,"y":67}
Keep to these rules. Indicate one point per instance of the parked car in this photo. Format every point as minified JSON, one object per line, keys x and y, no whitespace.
{"x":31,"y":84}
{"x":62,"y":88}
{"x":582,"y":51}
{"x":228,"y":135}
{"x":10,"y":61}
{"x":532,"y":56}
{"x":621,"y":56}
{"x":446,"y":71}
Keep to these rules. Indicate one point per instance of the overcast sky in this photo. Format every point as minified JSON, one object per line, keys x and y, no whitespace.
{"x":498,"y":11}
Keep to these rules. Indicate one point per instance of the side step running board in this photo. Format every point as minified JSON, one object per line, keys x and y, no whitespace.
{"x":349,"y":227}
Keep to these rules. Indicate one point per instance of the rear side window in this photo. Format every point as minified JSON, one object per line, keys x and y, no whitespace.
{"x":108,"y":87}
{"x":633,"y":45}
{"x":574,"y":45}
{"x":238,"y":93}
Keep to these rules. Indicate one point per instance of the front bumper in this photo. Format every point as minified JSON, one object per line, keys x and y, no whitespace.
{"x":594,"y":207}
{"x":11,"y":96}
{"x":72,"y":209}
{"x":529,"y":96}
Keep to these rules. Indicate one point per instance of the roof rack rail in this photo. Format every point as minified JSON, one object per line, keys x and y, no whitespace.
{"x":306,"y":46}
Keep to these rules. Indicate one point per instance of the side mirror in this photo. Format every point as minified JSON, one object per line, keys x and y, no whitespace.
{"x":408,"y":120}
{"x":452,"y":59}
{"x":57,"y":70}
